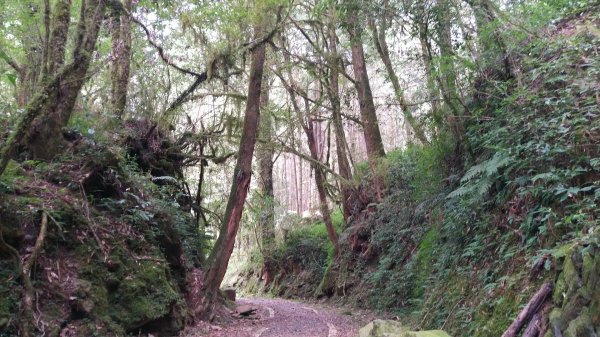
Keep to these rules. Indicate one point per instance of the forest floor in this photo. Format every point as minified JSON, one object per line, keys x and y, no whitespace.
{"x":285,"y":318}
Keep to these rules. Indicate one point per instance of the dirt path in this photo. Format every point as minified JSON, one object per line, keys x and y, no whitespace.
{"x":283,"y":318}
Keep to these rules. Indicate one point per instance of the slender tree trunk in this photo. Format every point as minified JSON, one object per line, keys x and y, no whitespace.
{"x":447,"y":69}
{"x":219,"y":257}
{"x":298,"y":192}
{"x":320,"y":180}
{"x":493,"y":49}
{"x":265,"y":155}
{"x":432,"y":88}
{"x":305,"y":119}
{"x":121,"y":53}
{"x":340,"y":137}
{"x":46,"y":49}
{"x":372,"y":134}
{"x":447,"y":78}
{"x":384,"y":54}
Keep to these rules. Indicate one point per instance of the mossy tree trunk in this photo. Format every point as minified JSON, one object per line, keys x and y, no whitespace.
{"x":39,"y":129}
{"x":265,"y":154}
{"x":219,"y":257}
{"x":44,"y":136}
{"x":447,"y":77}
{"x":121,"y":55}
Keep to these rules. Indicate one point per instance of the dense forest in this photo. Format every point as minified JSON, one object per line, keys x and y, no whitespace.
{"x":433,"y":162}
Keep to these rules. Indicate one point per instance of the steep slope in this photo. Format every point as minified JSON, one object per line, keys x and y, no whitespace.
{"x":119,"y":251}
{"x":462,"y":241}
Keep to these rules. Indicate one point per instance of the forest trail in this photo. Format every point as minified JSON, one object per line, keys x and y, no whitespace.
{"x":285,"y":318}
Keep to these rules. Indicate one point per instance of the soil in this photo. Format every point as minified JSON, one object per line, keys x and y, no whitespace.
{"x":285,"y":318}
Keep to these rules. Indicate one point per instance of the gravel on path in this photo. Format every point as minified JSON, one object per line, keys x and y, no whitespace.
{"x":285,"y":318}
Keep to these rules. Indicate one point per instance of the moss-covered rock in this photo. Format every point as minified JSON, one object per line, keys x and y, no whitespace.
{"x":117,"y":252}
{"x":577,"y":294}
{"x":387,"y":328}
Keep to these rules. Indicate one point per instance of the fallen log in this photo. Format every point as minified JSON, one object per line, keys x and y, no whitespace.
{"x":533,"y":328}
{"x":530,"y":309}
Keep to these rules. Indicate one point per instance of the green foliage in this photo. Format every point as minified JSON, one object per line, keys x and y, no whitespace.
{"x":419,"y":167}
{"x":479,"y":179}
{"x":308,"y":246}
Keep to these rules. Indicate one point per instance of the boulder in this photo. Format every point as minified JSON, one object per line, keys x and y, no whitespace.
{"x":387,"y":328}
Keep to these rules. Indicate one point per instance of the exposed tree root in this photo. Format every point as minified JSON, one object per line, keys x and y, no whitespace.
{"x":27,"y":320}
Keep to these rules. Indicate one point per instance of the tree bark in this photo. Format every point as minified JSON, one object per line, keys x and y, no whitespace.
{"x":447,"y":70}
{"x":340,"y":137}
{"x":61,"y":20}
{"x":44,"y":136}
{"x":121,"y":54}
{"x":492,"y":45}
{"x":432,"y":89}
{"x":50,"y":108}
{"x":368,"y":115}
{"x":530,"y":309}
{"x":320,"y":180}
{"x":265,"y":153}
{"x":533,"y":328}
{"x":219,"y":257}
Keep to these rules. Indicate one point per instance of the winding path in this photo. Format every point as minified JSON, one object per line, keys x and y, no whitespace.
{"x":283,"y":318}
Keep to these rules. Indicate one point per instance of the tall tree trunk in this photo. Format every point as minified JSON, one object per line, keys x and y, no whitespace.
{"x":265,"y":153}
{"x":320,"y":181}
{"x":432,"y":88}
{"x":121,"y":54}
{"x":384,"y":54}
{"x":61,"y":20}
{"x":368,"y":115}
{"x":447,"y":77}
{"x":297,"y":187}
{"x":306,"y":121}
{"x":336,"y":112}
{"x":51,"y":107}
{"x":219,"y":257}
{"x":44,"y":137}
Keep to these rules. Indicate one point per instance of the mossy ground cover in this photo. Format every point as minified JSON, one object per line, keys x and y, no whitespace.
{"x":117,"y":251}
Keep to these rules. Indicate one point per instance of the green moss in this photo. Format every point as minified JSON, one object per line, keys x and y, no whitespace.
{"x":502,"y":313}
{"x":559,"y":290}
{"x":425,"y":257}
{"x":571,"y":274}
{"x":12,"y":172}
{"x":580,"y":326}
{"x":144,"y":294}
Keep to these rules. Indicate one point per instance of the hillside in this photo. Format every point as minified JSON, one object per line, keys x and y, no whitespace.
{"x":435,"y":163}
{"x":463,"y":241}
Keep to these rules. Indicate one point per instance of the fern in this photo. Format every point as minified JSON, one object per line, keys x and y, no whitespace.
{"x":489,"y":167}
{"x":479,"y":179}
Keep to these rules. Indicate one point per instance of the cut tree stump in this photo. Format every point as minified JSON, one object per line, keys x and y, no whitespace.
{"x":530,"y":309}
{"x":229,"y":294}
